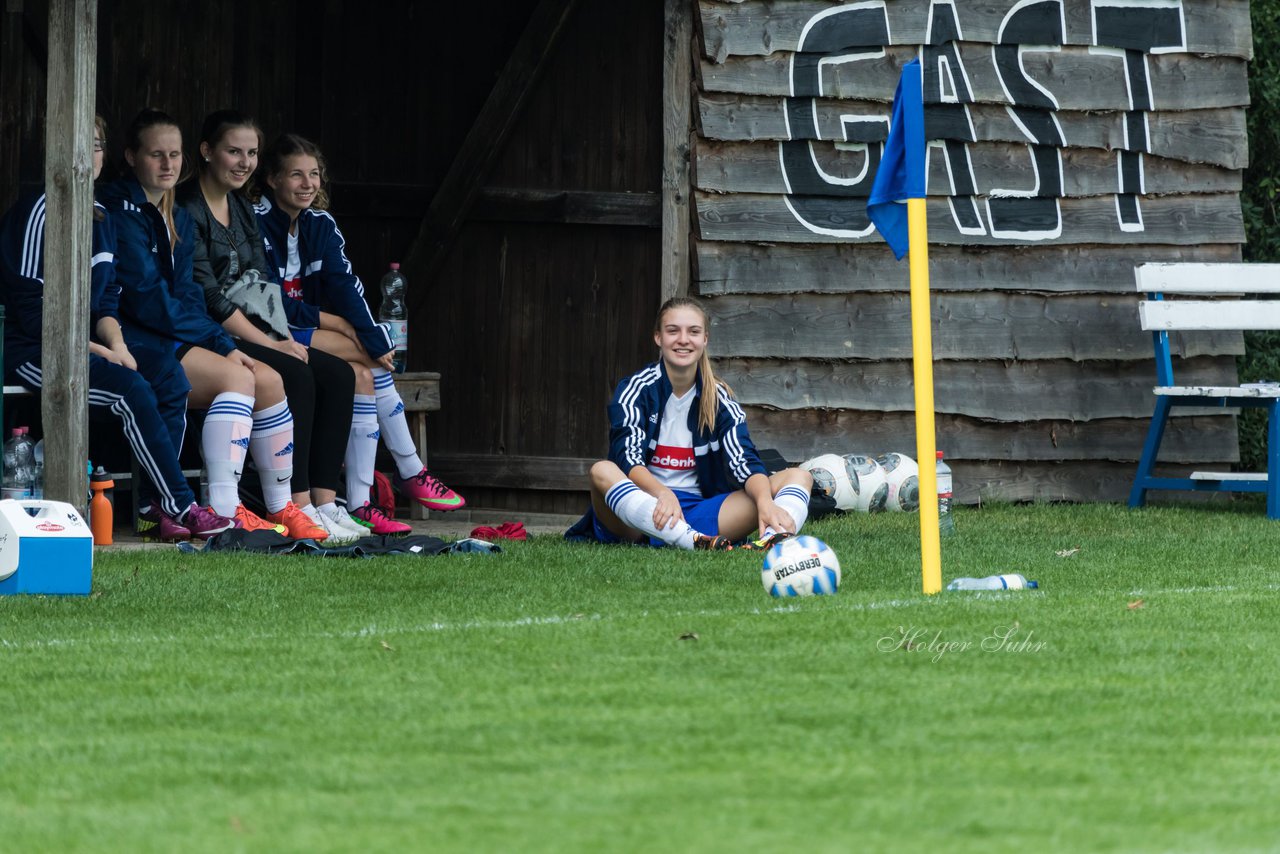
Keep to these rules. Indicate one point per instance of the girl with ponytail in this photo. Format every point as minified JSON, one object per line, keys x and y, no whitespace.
{"x":682,"y":470}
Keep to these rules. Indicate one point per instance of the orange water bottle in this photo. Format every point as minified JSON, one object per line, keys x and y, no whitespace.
{"x":100,"y":513}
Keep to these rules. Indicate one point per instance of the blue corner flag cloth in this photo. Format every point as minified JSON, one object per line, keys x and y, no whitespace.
{"x":901,"y":175}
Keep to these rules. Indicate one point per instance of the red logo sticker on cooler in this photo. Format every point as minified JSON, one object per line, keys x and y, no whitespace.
{"x":49,"y":526}
{"x":669,"y":457}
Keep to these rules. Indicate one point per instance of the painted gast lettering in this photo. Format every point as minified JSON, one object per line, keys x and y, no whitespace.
{"x":1024,"y":203}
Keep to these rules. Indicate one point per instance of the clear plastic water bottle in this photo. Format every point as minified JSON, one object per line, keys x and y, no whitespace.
{"x":1012,"y":581}
{"x":37,"y":488}
{"x":19,"y":465}
{"x":393,"y":314}
{"x":946,"y":525}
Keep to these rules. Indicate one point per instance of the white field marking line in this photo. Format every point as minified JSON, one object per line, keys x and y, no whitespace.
{"x":372,"y":631}
{"x":1220,"y":588}
{"x":558,"y":620}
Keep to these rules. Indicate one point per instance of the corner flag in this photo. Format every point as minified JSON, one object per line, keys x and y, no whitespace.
{"x":901,"y":175}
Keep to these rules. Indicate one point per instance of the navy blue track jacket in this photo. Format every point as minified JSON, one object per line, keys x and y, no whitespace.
{"x":160,"y":301}
{"x":725,"y":457}
{"x":328,"y":282}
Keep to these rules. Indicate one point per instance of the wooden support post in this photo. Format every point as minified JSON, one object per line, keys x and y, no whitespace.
{"x":484,"y":142}
{"x":68,"y":171}
{"x":677,"y":75}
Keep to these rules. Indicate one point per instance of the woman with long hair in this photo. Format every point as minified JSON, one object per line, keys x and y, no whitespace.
{"x":682,"y":469}
{"x":143,"y":388}
{"x":161,"y":306}
{"x":307,"y":248}
{"x":241,"y":292}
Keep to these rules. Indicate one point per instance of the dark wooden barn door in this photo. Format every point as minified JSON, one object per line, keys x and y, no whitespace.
{"x":549,"y":290}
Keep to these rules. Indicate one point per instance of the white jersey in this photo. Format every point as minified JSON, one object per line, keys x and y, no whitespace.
{"x":672,"y":461}
{"x":293,"y":270}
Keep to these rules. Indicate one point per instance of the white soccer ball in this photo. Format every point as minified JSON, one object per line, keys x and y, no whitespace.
{"x":801,"y":566}
{"x":832,"y":476}
{"x":869,"y":483}
{"x":902,"y":476}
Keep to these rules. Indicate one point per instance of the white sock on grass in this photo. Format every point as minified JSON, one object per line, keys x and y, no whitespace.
{"x":794,"y":500}
{"x":634,"y":506}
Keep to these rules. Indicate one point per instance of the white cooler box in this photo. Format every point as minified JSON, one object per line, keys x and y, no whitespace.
{"x":45,"y":547}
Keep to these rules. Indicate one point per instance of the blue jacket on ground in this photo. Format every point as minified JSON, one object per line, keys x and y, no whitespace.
{"x":22,"y":273}
{"x":159,"y":299}
{"x":725,"y":457}
{"x":328,"y":282}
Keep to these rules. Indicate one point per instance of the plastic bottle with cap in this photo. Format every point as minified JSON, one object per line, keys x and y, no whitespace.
{"x":101,"y":514}
{"x":1011,"y":581}
{"x":946,"y":524}
{"x":393,"y":315}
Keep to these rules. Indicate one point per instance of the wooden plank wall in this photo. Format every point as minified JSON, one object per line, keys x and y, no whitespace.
{"x":1068,"y":140}
{"x":549,"y":293}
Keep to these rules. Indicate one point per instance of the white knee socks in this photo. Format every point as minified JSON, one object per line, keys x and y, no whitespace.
{"x":362,"y":447}
{"x":635,"y":507}
{"x":271,"y":444}
{"x":794,"y":500}
{"x":224,"y":442}
{"x":394,"y":427}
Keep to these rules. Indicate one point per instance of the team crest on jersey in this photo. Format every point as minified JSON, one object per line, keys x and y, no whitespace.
{"x":285,"y":451}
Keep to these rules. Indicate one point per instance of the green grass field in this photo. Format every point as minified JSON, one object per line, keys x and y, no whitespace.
{"x":581,"y":698}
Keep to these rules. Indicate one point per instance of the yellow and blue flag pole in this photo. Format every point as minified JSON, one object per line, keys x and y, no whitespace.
{"x":901,"y":179}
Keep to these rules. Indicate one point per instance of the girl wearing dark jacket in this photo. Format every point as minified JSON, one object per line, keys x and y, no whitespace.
{"x":242,"y":294}
{"x":305,"y":245}
{"x":682,"y":469}
{"x":161,"y":306}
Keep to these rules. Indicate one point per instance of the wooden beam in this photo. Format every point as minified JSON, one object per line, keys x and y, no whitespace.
{"x":1178,"y":81}
{"x":677,"y":75}
{"x":484,"y":142}
{"x":513,"y":472}
{"x":576,"y":207}
{"x":767,"y":218}
{"x":761,"y":27}
{"x":748,"y":268}
{"x":73,"y":26}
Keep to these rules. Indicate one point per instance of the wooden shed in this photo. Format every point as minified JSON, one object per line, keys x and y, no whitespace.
{"x":548,"y":169}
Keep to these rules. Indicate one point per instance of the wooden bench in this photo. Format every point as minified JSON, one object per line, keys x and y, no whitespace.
{"x":420,"y":391}
{"x":1209,"y":297}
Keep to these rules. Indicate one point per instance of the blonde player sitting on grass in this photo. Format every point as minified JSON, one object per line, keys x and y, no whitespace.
{"x":682,"y":470}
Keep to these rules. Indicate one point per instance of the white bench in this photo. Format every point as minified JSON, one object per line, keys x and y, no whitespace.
{"x":1208,"y":297}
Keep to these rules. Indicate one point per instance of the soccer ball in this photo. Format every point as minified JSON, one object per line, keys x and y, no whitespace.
{"x":832,"y":476}
{"x":902,"y":476}
{"x":871,"y":490}
{"x":801,"y":566}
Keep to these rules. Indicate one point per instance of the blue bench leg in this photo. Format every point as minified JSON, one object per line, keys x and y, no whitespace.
{"x":1273,"y":461}
{"x":1155,"y":434}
